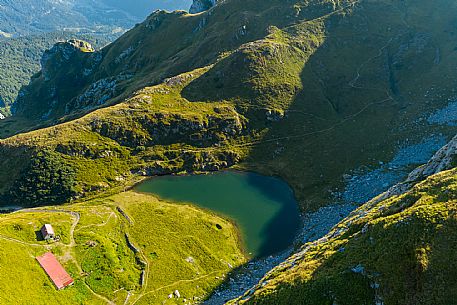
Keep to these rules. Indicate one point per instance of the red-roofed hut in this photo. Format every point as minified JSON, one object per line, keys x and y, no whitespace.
{"x":55,"y":271}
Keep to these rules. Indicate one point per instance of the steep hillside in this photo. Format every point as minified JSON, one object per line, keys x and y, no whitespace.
{"x":396,"y":249}
{"x":147,"y":55}
{"x":317,"y":90}
{"x":29,"y":32}
{"x":154,"y":133}
{"x":20,"y":58}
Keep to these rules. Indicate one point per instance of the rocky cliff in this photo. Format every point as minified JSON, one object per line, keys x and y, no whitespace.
{"x":64,"y":65}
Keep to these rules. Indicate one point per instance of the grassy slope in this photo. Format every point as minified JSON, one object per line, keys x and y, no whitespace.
{"x":20,"y":272}
{"x":154,"y":132}
{"x":335,"y":120}
{"x":400,"y":250}
{"x":294,"y":59}
{"x":100,"y":259}
{"x":210,"y":252}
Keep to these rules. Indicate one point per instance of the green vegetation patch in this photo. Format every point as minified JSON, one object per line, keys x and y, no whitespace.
{"x":399,"y":250}
{"x":184,"y":248}
{"x":155,"y":132}
{"x":25,"y":226}
{"x":127,"y":248}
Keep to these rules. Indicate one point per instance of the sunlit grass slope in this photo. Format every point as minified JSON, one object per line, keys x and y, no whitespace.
{"x":399,"y":251}
{"x":129,"y":248}
{"x":308,"y":91}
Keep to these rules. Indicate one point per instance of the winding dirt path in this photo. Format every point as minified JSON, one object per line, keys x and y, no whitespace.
{"x":176,"y":283}
{"x":4,"y":237}
{"x":104,"y":223}
{"x":76,"y":217}
{"x":70,"y":247}
{"x":353,"y":83}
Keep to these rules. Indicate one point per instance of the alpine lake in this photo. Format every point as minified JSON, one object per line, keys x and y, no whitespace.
{"x":263,"y":208}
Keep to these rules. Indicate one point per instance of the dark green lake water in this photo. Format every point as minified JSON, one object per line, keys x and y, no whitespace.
{"x":263,"y":207}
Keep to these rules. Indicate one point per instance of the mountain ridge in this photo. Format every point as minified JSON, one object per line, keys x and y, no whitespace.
{"x":319,"y":93}
{"x":122,"y":67}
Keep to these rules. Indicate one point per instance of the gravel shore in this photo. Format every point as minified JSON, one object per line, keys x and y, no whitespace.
{"x":362,"y":185}
{"x":445,"y":116}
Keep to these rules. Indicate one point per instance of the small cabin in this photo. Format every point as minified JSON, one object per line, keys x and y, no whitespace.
{"x":47,"y":231}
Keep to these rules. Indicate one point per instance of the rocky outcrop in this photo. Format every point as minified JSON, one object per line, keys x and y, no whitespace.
{"x":61,"y":54}
{"x":97,"y":94}
{"x":66,"y":74}
{"x":444,"y":159}
{"x":168,"y":128}
{"x":199,"y":6}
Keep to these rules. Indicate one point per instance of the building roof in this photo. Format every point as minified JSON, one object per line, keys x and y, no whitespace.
{"x":55,"y":271}
{"x":47,"y":229}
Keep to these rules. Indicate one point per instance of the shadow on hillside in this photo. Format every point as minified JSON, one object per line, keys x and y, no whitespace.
{"x":349,"y":112}
{"x":404,"y":262}
{"x":335,"y":279}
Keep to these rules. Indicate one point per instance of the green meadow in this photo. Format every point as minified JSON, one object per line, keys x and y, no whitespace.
{"x":129,"y":248}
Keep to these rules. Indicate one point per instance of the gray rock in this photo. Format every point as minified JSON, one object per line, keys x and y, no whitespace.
{"x":358,"y":269}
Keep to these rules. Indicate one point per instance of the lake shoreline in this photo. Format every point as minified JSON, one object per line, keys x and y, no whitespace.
{"x":240,"y":241}
{"x":270,"y":195}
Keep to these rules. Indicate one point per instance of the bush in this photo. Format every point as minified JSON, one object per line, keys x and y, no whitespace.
{"x":47,"y":180}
